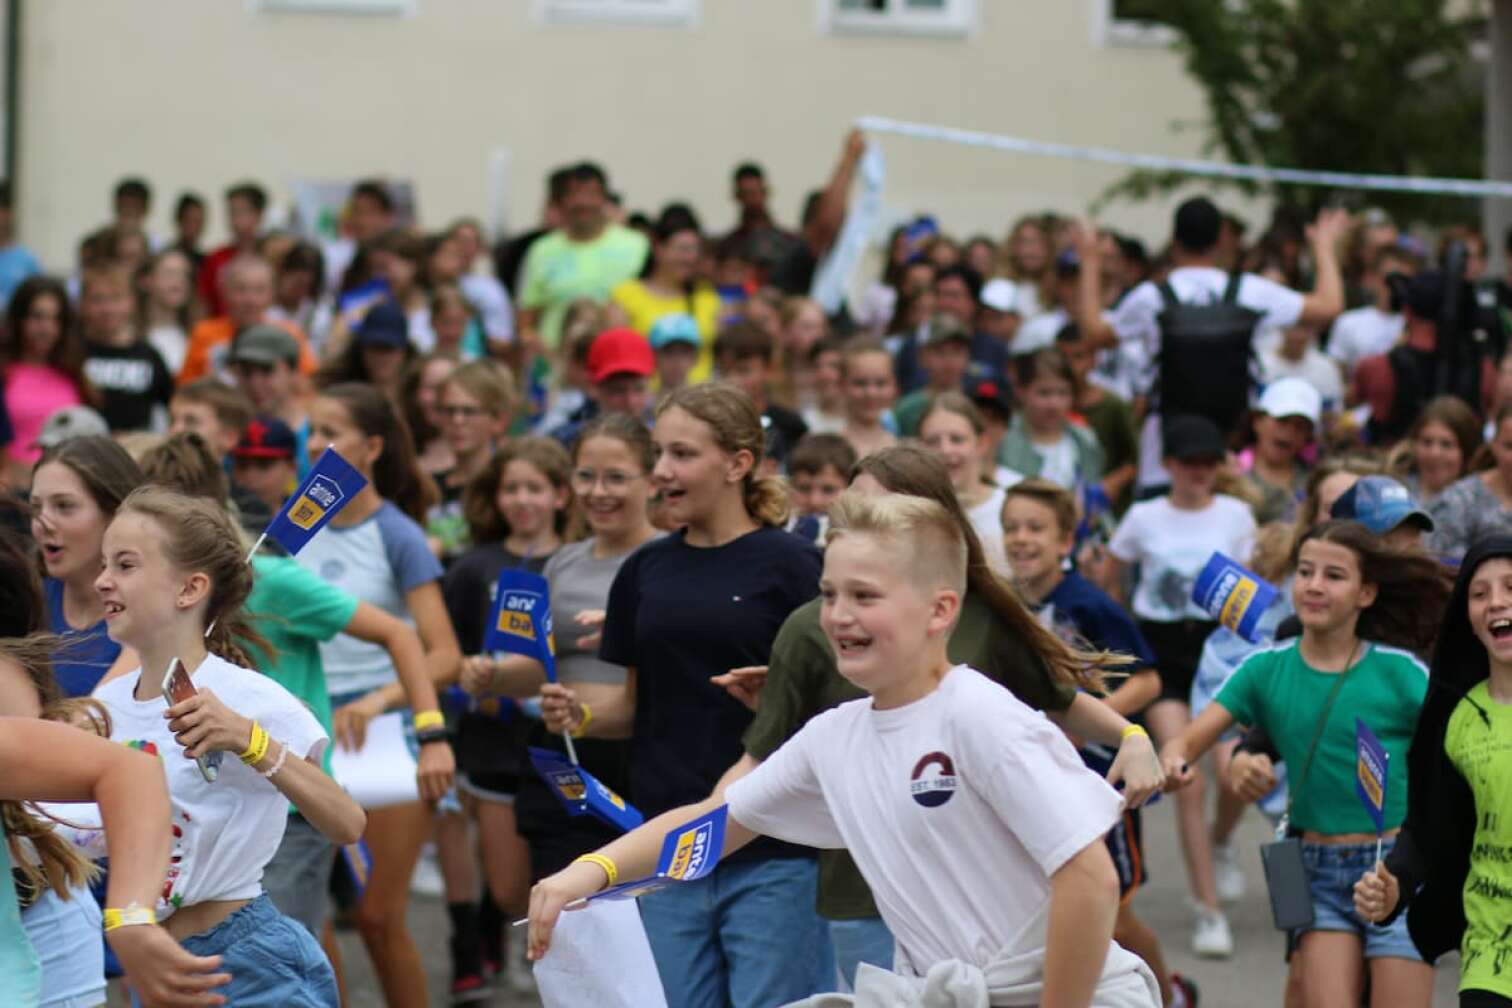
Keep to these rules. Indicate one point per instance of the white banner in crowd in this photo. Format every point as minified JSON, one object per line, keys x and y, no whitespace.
{"x":1212,"y":169}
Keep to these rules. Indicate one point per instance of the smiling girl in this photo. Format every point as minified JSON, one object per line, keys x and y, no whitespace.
{"x":705,"y":599}
{"x":173,"y":567}
{"x":76,"y":489}
{"x":516,"y":512}
{"x":474,"y":405}
{"x":953,"y":430}
{"x":1480,"y":504}
{"x":375,"y":550}
{"x":870,"y":388}
{"x":1438,"y":448}
{"x":1364,"y":610}
{"x":1448,"y":867}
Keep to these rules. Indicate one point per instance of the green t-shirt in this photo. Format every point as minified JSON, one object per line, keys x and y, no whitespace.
{"x":1276,"y":690}
{"x":1483,"y":756}
{"x":296,"y":611}
{"x":802,"y":682}
{"x":20,"y":972}
{"x":558,"y":271}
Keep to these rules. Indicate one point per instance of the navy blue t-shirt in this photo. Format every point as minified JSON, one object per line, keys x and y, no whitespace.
{"x":679,"y":614}
{"x":85,"y":654}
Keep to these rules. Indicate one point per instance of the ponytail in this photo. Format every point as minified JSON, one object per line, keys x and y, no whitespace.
{"x":397,"y":475}
{"x":767,"y":499}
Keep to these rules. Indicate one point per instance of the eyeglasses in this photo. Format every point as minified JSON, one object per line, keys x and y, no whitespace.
{"x":460,"y":412}
{"x":584,"y":480}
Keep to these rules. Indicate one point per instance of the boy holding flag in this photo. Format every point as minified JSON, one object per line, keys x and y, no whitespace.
{"x":971,"y":817}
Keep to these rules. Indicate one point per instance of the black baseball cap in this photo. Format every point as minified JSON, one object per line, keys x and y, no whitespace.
{"x":266,"y":437}
{"x":1192,"y":438}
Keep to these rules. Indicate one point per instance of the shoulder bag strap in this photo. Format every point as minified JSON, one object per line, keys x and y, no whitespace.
{"x":1312,"y":749}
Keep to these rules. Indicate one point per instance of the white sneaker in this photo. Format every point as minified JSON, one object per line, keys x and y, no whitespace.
{"x":518,"y":974}
{"x":1227,"y":874}
{"x":1211,"y":938}
{"x":427,"y":880}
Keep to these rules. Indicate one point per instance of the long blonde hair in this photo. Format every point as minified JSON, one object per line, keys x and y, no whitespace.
{"x":198,"y":535}
{"x":736,"y":424}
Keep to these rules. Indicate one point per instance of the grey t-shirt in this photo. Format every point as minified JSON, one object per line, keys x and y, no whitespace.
{"x":580,"y":581}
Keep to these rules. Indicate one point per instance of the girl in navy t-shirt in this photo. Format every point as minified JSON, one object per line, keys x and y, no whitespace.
{"x":708,"y":598}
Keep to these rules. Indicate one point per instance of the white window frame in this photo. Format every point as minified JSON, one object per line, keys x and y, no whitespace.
{"x":361,"y":8}
{"x":664,"y":13}
{"x":1108,"y":30}
{"x":958,"y":19}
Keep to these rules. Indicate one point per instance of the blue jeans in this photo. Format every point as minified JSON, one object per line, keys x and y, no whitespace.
{"x":746,"y":936}
{"x":866,"y":940}
{"x":273,"y":961}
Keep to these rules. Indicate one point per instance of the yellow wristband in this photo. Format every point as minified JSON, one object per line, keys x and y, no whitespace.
{"x":610,"y":868}
{"x":587,"y":720}
{"x":118,"y":917}
{"x":429,"y":719}
{"x":257,"y":747}
{"x":1134,"y":729}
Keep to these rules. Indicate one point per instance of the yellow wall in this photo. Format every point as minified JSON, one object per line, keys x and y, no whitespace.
{"x":201,"y":93}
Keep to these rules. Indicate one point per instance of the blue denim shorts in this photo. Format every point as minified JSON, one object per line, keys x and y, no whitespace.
{"x":273,"y":961}
{"x":1333,"y":870}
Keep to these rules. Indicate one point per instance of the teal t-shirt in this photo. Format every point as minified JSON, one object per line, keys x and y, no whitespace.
{"x":296,"y":611}
{"x":1482,"y":753}
{"x":1276,"y":690}
{"x":20,"y":972}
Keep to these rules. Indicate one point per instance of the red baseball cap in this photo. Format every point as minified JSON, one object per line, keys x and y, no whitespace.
{"x":620,"y":351}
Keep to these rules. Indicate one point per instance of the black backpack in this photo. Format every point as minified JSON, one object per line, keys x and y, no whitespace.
{"x":1205,"y":356}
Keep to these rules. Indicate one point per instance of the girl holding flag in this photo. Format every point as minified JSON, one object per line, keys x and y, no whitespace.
{"x":1364,"y":610}
{"x":375,"y":549}
{"x":173,"y":568}
{"x":1449,"y":868}
{"x":709,"y":597}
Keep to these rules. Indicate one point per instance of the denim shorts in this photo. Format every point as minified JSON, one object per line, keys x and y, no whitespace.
{"x":273,"y":961}
{"x":1333,"y":870}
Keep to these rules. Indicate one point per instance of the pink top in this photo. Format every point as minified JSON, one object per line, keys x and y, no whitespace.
{"x":33,"y":392}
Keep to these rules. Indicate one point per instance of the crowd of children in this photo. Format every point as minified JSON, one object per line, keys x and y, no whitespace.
{"x":905,"y":588}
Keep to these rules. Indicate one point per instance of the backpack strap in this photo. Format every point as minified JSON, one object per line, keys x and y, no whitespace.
{"x":1231,"y":292}
{"x":1167,"y":294}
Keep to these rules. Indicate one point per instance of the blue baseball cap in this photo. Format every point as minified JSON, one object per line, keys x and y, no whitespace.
{"x":384,"y":325}
{"x":675,"y":328}
{"x":1380,"y":503}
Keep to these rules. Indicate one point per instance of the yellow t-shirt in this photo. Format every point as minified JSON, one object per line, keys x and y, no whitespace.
{"x":642,"y":307}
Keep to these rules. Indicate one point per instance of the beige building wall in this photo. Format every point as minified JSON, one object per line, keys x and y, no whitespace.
{"x":201,"y":93}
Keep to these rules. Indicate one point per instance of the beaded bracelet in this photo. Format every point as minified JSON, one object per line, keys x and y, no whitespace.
{"x":283,"y":754}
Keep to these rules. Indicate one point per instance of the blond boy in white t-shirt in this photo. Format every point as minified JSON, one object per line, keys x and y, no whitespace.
{"x":969,"y":814}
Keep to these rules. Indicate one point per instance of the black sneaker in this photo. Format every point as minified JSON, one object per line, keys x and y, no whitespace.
{"x":1188,"y":991}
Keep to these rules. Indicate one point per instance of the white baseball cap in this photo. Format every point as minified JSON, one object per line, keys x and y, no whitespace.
{"x":1000,"y":295}
{"x":1286,"y":397}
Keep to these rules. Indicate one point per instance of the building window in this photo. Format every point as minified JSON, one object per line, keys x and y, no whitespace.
{"x":913,"y":17}
{"x":402,"y":7}
{"x":1131,"y":23}
{"x":634,"y":12}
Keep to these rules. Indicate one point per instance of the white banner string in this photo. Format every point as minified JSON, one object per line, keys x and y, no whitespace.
{"x":1191,"y":166}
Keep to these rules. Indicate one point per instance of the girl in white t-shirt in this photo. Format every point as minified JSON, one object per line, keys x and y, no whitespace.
{"x":1171,"y":538}
{"x":971,"y":817}
{"x":173,"y":567}
{"x":953,"y":429}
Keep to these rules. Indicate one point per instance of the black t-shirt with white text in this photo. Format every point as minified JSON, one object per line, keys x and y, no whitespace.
{"x":133,"y":381}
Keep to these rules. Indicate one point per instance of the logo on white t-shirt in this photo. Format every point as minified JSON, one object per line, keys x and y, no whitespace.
{"x":934,"y":780}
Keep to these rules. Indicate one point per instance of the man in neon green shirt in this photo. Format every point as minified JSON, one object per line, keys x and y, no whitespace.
{"x":585,"y":258}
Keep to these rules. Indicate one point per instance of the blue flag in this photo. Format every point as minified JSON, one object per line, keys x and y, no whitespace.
{"x":1370,"y":773}
{"x":582,"y":793}
{"x":689,"y":852}
{"x":521,"y":618}
{"x":331,"y":484}
{"x":1233,"y":595}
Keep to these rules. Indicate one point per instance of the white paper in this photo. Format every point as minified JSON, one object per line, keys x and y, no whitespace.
{"x":382,"y":772}
{"x":599,"y":956}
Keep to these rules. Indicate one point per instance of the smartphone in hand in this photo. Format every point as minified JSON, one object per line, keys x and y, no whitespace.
{"x":178,"y":687}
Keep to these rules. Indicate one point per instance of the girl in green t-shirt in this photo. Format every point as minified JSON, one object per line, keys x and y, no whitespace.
{"x":1452,"y":866}
{"x":1365,"y":610}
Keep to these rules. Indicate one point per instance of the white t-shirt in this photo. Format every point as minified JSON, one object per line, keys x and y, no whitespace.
{"x":1171,"y":546}
{"x":1316,"y":368}
{"x":1135,"y":318}
{"x":491,"y":301}
{"x":957,"y":809}
{"x":987,"y":519}
{"x":225,"y":832}
{"x":1363,"y":332}
{"x":1039,"y":332}
{"x":1058,"y":461}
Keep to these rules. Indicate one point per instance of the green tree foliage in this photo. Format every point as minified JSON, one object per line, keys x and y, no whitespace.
{"x":1387,"y":86}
